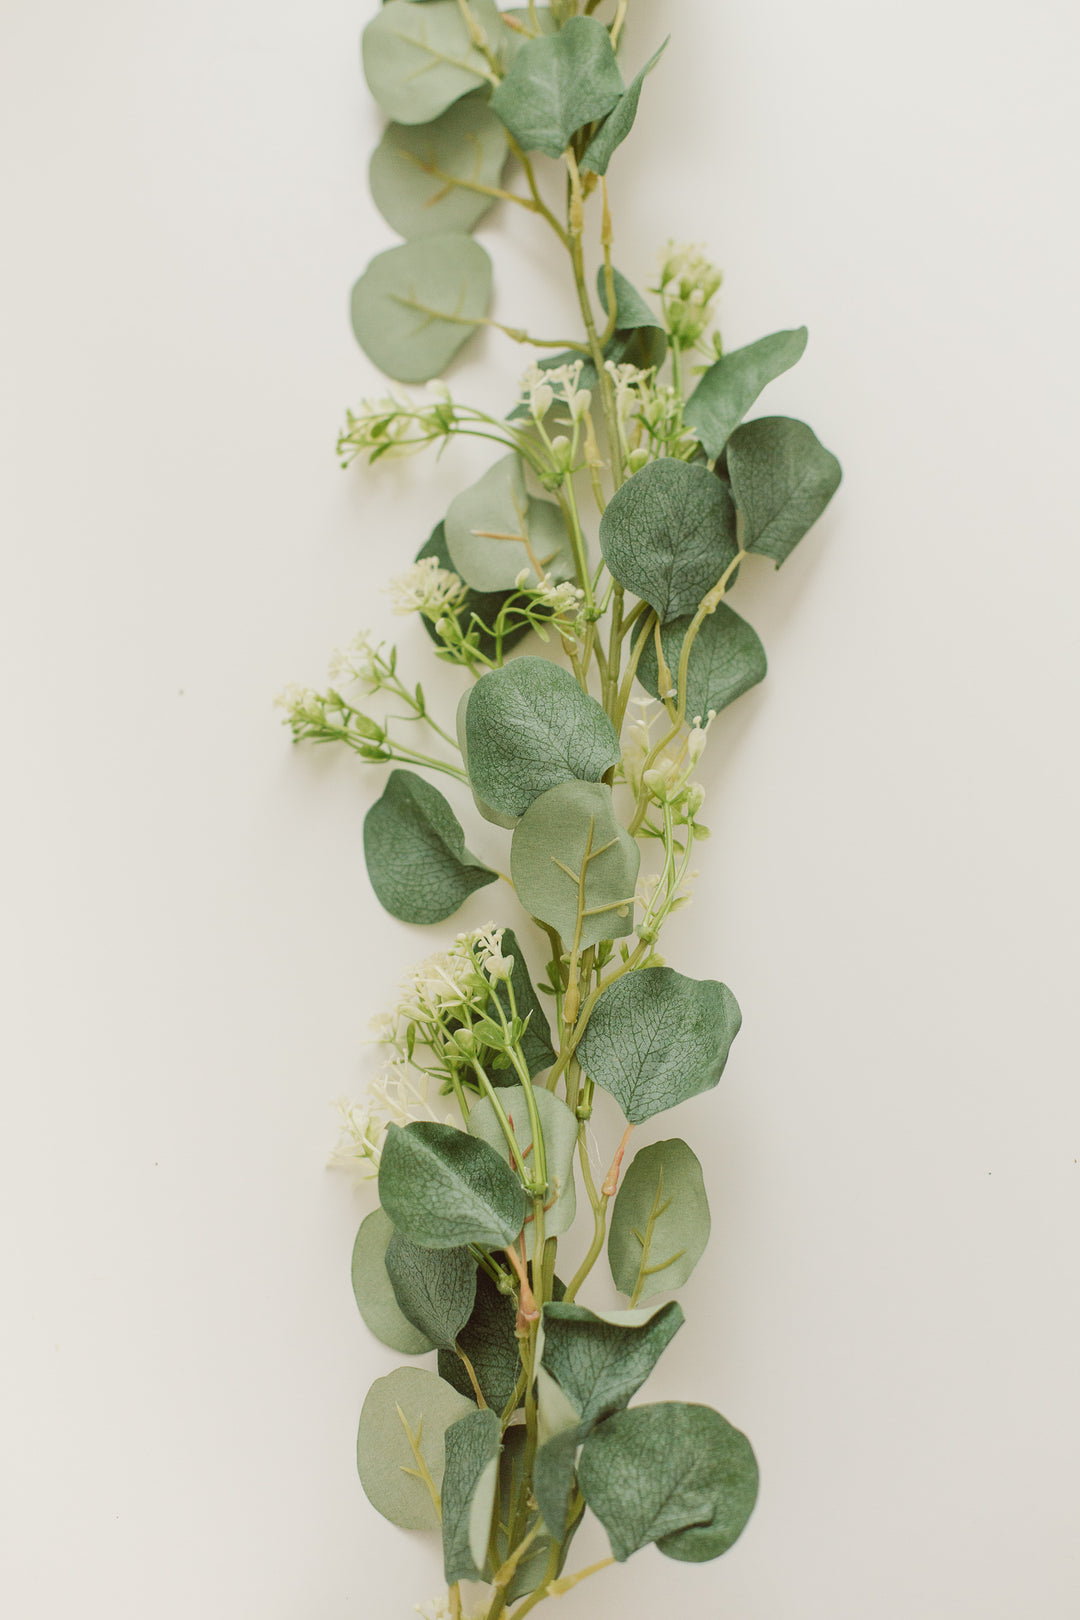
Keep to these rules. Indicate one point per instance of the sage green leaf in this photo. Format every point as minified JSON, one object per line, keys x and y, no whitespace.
{"x":420,"y":58}
{"x":490,"y":1341}
{"x":560,"y":1130}
{"x":660,"y":1221}
{"x":656,"y":1038}
{"x":533,"y":1566}
{"x":659,"y":1473}
{"x":406,"y":1413}
{"x":495,"y":531}
{"x":731,"y":385}
{"x":374,"y":1291}
{"x":668,"y":534}
{"x":553,"y":1477}
{"x":415,"y":305}
{"x":726,"y":660}
{"x":638,"y":340}
{"x":530,"y":727}
{"x":557,"y":83}
{"x":574,"y":866}
{"x":536,"y":1046}
{"x":435,"y":1288}
{"x":619,"y":121}
{"x":482,"y":606}
{"x":443,"y":1188}
{"x":422,"y":175}
{"x":600,"y":1359}
{"x":782,"y":479}
{"x":469,"y":1485}
{"x":415,"y":852}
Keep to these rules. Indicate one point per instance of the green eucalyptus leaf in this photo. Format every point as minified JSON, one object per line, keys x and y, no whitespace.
{"x":524,"y":15}
{"x":435,"y":1288}
{"x":497,"y":817}
{"x":668,"y":1474}
{"x":668,"y":534}
{"x":443,"y":1188}
{"x":536,"y":1046}
{"x":782,"y":479}
{"x":574,"y":866}
{"x":409,"y":1402}
{"x":469,"y":1485}
{"x":485,"y":605}
{"x":532,"y":1568}
{"x":557,"y":83}
{"x":374,"y":1291}
{"x":530,"y":727}
{"x":560,"y":1132}
{"x":553,"y":1476}
{"x":600,"y":1359}
{"x":421,"y":174}
{"x":731,"y":385}
{"x":420,"y":59}
{"x":725,"y":661}
{"x":619,"y":121}
{"x":415,"y":852}
{"x":490,"y":1341}
{"x":656,"y":1038}
{"x":415,"y":305}
{"x":495,"y":531}
{"x":659,"y":1222}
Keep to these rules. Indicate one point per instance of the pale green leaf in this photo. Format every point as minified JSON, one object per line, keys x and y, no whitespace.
{"x":409,"y":1401}
{"x":600,"y":1359}
{"x":415,"y":852}
{"x":374,"y":1291}
{"x":515,"y":39}
{"x":574,"y":866}
{"x":668,"y":534}
{"x":490,"y":1341}
{"x":560,"y":1133}
{"x":656,"y":1038}
{"x":484,"y":606}
{"x":435,"y":1288}
{"x":469,"y":1485}
{"x":415,"y":305}
{"x":557,"y":83}
{"x":659,"y":1222}
{"x":619,"y":121}
{"x":420,"y":58}
{"x":496,"y":531}
{"x":725,"y":661}
{"x":782,"y":479}
{"x":443,"y":1188}
{"x":731,"y":385}
{"x":421,"y":175}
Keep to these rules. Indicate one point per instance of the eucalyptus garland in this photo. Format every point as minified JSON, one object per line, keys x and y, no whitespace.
{"x":479,"y":1126}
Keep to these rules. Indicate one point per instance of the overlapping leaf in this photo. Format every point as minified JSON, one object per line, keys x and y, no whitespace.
{"x":668,"y":534}
{"x":484,"y":606}
{"x":415,"y":852}
{"x":374,"y":1292}
{"x":490,"y":1342}
{"x":495,"y":531}
{"x":574,"y":866}
{"x":470,"y":1482}
{"x":560,"y":1135}
{"x":726,"y":660}
{"x":557,"y":83}
{"x":407,"y":1412}
{"x":600,"y":1359}
{"x":732,"y":384}
{"x":443,"y":1188}
{"x":435,"y":1288}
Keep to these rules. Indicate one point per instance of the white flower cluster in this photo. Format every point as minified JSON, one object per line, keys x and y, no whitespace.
{"x":396,"y":425}
{"x":358,"y":664}
{"x":667,"y":776}
{"x":303,"y":706}
{"x":688,"y":284}
{"x":645,"y":407}
{"x":543,"y":387}
{"x":426,"y":588}
{"x":396,"y":1096}
{"x":563,"y":598}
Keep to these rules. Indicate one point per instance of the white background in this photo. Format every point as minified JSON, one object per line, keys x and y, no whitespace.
{"x":889,"y":1304}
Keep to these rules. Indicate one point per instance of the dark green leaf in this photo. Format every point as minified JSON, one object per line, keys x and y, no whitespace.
{"x":599,"y":1360}
{"x":668,"y":534}
{"x":656,"y":1038}
{"x":726,"y":660}
{"x":557,"y":83}
{"x":782,"y":479}
{"x":435,"y":1288}
{"x":485,"y":605}
{"x":531,"y":1570}
{"x":495,"y":531}
{"x":443,"y":1188}
{"x":468,"y":1494}
{"x":415,"y":852}
{"x":673,"y":1473}
{"x":415,"y":166}
{"x":419,"y":59}
{"x":536,"y":1044}
{"x":553,"y":1477}
{"x":490,"y":1342}
{"x":410,"y":1401}
{"x":660,"y":1221}
{"x":570,"y":837}
{"x":374,"y":1292}
{"x":730,"y":386}
{"x":619,"y":121}
{"x":415,"y":305}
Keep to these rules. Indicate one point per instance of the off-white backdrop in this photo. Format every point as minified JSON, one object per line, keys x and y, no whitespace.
{"x":890,"y":1301}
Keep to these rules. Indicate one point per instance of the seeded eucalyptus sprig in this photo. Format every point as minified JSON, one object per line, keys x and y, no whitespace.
{"x":478,"y":1128}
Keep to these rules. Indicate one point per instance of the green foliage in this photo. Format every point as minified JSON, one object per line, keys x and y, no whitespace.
{"x":530,"y":727}
{"x":435,"y":1288}
{"x":442,"y":1188}
{"x":470,"y":1482}
{"x":782,"y":479}
{"x":490,"y":1342}
{"x":531,"y":1569}
{"x":730,"y":386}
{"x":536,"y":1046}
{"x":415,"y":852}
{"x":638,"y":340}
{"x":660,"y":1221}
{"x":402,"y":1425}
{"x":574,"y":866}
{"x":553,"y":1476}
{"x":418,"y":59}
{"x":674,"y":1474}
{"x":485,"y":605}
{"x":374,"y":1292}
{"x":415,"y":305}
{"x":495,"y":531}
{"x":560,"y":1132}
{"x":656,"y":1038}
{"x":421,"y":175}
{"x":600,"y":1359}
{"x":619,"y":121}
{"x":557,"y":83}
{"x":668,"y":534}
{"x":524,"y":15}
{"x":726,"y":660}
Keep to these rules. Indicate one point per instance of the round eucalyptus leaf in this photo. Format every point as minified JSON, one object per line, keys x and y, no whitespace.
{"x":374,"y":1292}
{"x":659,"y":1222}
{"x":435,"y":1288}
{"x":665,"y":1474}
{"x":470,"y":1481}
{"x":415,"y":852}
{"x":725,"y":661}
{"x":668,"y":534}
{"x":782,"y":479}
{"x":409,"y":1402}
{"x":530,"y":727}
{"x":418,"y":59}
{"x":489,"y":1339}
{"x":600,"y":1359}
{"x":443,"y":1188}
{"x":732,"y":384}
{"x":560,"y":1131}
{"x":421,"y":174}
{"x":574,"y":866}
{"x":496,"y":531}
{"x":415,"y":305}
{"x":482,"y":606}
{"x":556,"y":84}
{"x":656,"y":1038}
